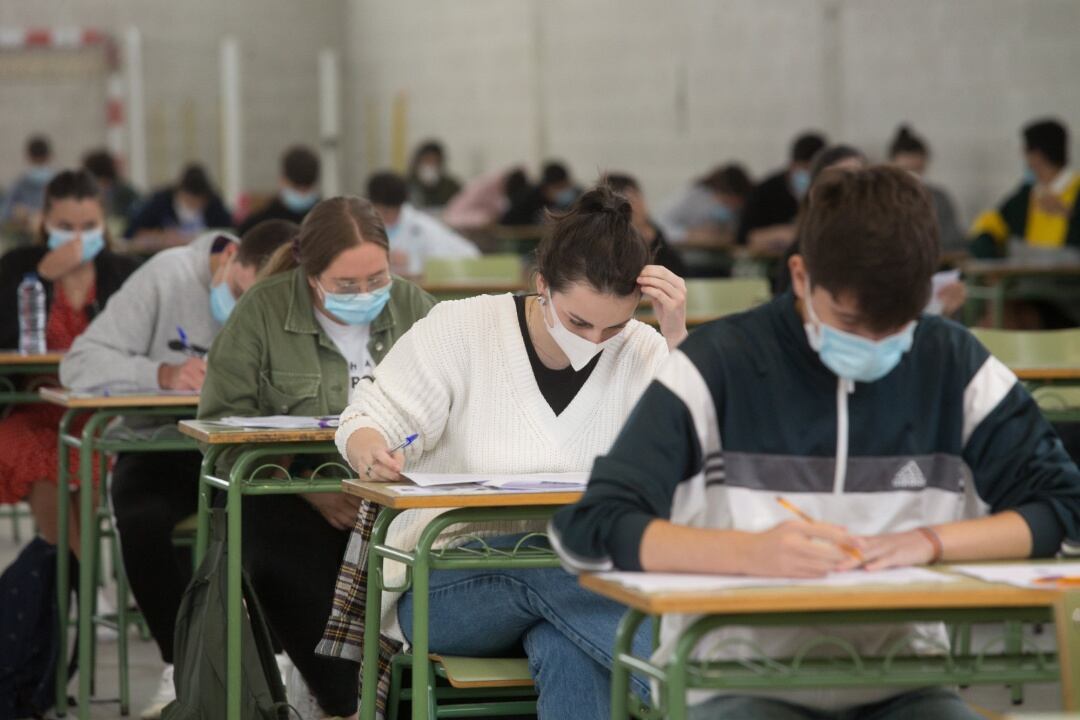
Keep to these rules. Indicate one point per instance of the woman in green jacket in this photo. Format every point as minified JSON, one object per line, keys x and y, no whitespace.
{"x":296,"y":344}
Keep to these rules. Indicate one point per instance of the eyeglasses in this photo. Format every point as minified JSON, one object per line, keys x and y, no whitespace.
{"x":344,"y":286}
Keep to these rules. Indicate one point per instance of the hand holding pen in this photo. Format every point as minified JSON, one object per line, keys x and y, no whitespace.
{"x":369,"y":456}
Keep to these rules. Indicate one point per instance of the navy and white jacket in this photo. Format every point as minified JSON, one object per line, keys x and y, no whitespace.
{"x":745,"y":409}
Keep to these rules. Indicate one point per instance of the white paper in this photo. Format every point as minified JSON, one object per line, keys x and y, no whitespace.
{"x":281,"y":422}
{"x":684,"y":582}
{"x":472,"y":489}
{"x":538,"y":481}
{"x":937,"y":282}
{"x":1019,"y":574}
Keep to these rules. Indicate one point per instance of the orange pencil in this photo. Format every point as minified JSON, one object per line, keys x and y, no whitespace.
{"x":790,"y":507}
{"x":1059,"y":580}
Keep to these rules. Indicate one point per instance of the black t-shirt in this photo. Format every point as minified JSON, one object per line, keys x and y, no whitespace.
{"x":559,"y":387}
{"x":771,"y":203}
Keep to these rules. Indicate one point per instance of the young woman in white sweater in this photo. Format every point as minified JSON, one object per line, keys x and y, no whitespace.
{"x":504,"y":384}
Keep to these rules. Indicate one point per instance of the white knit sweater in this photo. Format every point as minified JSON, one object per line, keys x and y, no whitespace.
{"x":461,"y":379}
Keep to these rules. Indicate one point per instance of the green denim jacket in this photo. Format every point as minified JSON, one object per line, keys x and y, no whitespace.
{"x":273,"y":358}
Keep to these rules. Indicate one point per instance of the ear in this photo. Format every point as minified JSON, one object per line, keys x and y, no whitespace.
{"x":541,"y":285}
{"x":797,"y":267}
{"x":229,"y":251}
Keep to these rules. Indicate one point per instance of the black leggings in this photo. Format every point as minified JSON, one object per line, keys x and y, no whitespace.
{"x":151,"y":493}
{"x":292,"y":555}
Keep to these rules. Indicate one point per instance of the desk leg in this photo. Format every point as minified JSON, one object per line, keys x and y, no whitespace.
{"x":202,"y":532}
{"x":88,"y":561}
{"x":63,"y":589}
{"x":1067,"y":622}
{"x":421,"y":667}
{"x":369,"y":681}
{"x":620,"y":673}
{"x":234,"y":600}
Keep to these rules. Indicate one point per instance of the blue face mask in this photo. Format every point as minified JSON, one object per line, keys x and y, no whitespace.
{"x":40,"y":173}
{"x":356,"y":308}
{"x":392,"y":231}
{"x":222,"y":302}
{"x":853,"y":357}
{"x":722,"y":214}
{"x":298,"y":202}
{"x":93,"y":241}
{"x":1029,"y":176}
{"x":800,"y":182}
{"x":565,"y":197}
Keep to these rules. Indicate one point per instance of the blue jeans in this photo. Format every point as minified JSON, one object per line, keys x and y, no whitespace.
{"x":567,"y":632}
{"x":925,"y":704}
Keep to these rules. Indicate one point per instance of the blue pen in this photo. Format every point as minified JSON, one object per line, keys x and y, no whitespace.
{"x":327,"y":422}
{"x":404,"y":443}
{"x":183,"y":336}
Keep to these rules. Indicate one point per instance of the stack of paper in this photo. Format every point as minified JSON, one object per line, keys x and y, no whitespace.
{"x":1025,"y":575}
{"x":282,"y":422}
{"x":540,"y":482}
{"x":680,"y":582}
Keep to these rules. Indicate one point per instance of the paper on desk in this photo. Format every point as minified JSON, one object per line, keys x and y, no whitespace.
{"x":472,"y":489}
{"x":538,"y":481}
{"x":682,"y":582}
{"x":282,"y":422}
{"x":937,"y":282}
{"x":1019,"y":574}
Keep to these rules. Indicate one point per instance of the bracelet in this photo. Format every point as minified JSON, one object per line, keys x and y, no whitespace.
{"x":934,"y":540}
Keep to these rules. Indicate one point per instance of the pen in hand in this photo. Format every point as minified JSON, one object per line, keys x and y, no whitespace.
{"x":403,"y":444}
{"x":795,"y":510}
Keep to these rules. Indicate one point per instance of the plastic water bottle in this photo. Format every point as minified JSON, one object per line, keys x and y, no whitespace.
{"x":31,"y":315}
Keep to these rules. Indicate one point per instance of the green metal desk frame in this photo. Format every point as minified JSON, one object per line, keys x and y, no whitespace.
{"x":256,"y":471}
{"x":94,"y":440}
{"x":419,"y":564}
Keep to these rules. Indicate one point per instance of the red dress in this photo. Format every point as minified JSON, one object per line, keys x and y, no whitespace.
{"x":29,"y":435}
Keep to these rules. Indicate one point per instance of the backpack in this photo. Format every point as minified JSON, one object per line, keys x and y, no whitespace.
{"x":29,"y":633}
{"x":199,"y":651}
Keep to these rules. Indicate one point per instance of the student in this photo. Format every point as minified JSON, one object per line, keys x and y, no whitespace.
{"x":120,"y":196}
{"x":136,"y":344}
{"x":768,"y":220}
{"x":662,"y":253}
{"x":708,"y":209}
{"x":1043,"y":212}
{"x":504,"y":384}
{"x":296,"y":345}
{"x":556,"y":192}
{"x":80,"y":274}
{"x":430,"y":186}
{"x":483,"y":200}
{"x":21,"y":207}
{"x":298,"y":193}
{"x":690,"y":484}
{"x":910,"y":152}
{"x":414,"y":236}
{"x":181,"y":211}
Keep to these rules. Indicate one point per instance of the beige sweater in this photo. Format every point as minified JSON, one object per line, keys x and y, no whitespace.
{"x":461,"y":379}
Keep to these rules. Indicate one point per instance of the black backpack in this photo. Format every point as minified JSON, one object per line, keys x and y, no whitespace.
{"x":29,"y":636}
{"x":199,"y":654}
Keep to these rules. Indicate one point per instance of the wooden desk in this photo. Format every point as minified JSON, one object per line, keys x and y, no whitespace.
{"x":12,"y":358}
{"x":13,"y":364}
{"x":999,"y":269}
{"x":1047,"y":374}
{"x":389,"y":495}
{"x":94,"y":446}
{"x":964,"y":600}
{"x":215,"y":433}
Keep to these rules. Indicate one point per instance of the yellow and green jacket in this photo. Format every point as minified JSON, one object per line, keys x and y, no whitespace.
{"x":1020,"y":216}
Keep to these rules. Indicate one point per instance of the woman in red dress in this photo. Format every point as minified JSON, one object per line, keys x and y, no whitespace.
{"x":79,"y":273}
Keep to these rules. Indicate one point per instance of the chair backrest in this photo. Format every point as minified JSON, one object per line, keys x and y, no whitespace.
{"x":502,"y":269}
{"x":725,"y":296}
{"x":1032,"y":348}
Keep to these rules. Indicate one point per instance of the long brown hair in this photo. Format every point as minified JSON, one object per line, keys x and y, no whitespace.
{"x":332,"y":226}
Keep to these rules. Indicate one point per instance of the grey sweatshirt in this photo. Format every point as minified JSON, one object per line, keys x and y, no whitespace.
{"x":124,"y":345}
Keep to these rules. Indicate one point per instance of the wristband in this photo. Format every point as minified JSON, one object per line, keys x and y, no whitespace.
{"x":933,"y":539}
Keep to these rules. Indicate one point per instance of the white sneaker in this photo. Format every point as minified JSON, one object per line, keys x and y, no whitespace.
{"x":300,"y":697}
{"x":165,"y":694}
{"x":284,"y":666}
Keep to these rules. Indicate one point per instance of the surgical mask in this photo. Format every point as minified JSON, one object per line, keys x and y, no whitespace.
{"x":722,"y":214}
{"x":356,"y":308}
{"x":189,"y":219}
{"x":298,"y":202}
{"x":222,"y":302}
{"x":40,"y":173}
{"x":428,"y":174}
{"x":93,"y":241}
{"x":853,"y":357}
{"x":800,"y":182}
{"x":565,"y":197}
{"x":392,"y":231}
{"x":1029,"y":176}
{"x":578,"y":350}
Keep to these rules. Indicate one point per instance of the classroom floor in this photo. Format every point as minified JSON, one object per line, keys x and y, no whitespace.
{"x":146,"y":665}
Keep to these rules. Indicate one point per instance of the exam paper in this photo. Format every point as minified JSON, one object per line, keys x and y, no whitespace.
{"x":534,"y":482}
{"x":282,"y":422}
{"x":937,"y":282}
{"x":1019,"y":574}
{"x":685,"y":582}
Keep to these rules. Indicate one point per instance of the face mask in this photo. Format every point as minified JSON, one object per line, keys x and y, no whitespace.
{"x":853,"y":357}
{"x":1029,"y":176}
{"x":565,"y":197}
{"x":298,"y":202}
{"x":93,"y":241}
{"x":800,"y":182}
{"x":222,"y":302}
{"x":40,"y":174}
{"x":356,"y":308}
{"x":392,"y":231}
{"x":428,"y":174}
{"x":723,"y":215}
{"x":578,"y":350}
{"x":189,"y":219}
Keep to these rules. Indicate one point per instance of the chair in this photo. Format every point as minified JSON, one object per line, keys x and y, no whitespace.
{"x":708,"y":299}
{"x":1032,"y":348}
{"x":478,"y":687}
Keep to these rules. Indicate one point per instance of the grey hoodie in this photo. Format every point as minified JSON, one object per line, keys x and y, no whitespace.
{"x":124,"y":345}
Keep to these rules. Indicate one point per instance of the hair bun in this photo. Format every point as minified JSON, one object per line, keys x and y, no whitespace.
{"x":602,"y":199}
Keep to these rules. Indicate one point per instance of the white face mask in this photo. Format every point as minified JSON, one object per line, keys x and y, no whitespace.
{"x":579,"y":350}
